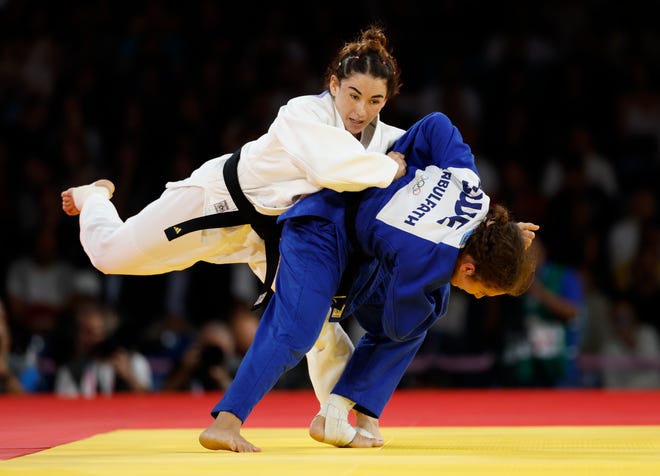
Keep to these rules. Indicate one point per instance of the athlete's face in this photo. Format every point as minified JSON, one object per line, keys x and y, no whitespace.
{"x":359,"y":99}
{"x":478,"y":289}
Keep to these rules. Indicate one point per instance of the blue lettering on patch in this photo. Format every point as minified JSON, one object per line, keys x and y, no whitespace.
{"x":465,"y":207}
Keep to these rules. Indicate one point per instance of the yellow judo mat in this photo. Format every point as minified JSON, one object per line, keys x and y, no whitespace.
{"x":556,"y":450}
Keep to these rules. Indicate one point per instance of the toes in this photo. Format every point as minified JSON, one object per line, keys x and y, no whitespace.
{"x":361,"y":441}
{"x":68,"y":205}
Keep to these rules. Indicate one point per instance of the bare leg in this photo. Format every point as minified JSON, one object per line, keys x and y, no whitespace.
{"x":225,"y":434}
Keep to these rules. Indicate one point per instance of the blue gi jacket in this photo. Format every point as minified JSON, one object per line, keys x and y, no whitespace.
{"x":409,"y":235}
{"x":411,"y":231}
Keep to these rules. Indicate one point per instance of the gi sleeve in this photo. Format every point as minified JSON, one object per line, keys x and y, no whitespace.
{"x":329,"y":155}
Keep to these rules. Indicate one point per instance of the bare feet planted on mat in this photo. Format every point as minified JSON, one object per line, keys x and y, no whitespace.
{"x":225,"y":434}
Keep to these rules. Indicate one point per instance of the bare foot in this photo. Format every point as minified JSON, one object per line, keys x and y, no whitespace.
{"x":73,"y":198}
{"x":225,"y":434}
{"x":370,"y":425}
{"x":67,"y":203}
{"x":317,"y":432}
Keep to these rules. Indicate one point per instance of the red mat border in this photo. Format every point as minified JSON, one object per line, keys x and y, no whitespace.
{"x":36,"y":422}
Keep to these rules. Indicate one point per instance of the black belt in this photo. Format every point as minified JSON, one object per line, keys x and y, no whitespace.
{"x":264,"y":225}
{"x":355,"y":256}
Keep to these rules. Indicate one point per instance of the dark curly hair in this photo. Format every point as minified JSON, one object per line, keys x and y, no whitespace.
{"x":501,"y":260}
{"x":369,"y":54}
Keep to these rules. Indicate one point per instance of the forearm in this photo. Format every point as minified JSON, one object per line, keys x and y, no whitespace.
{"x":558,"y":306}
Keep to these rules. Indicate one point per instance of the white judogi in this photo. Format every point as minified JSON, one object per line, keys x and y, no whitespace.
{"x":306,"y":149}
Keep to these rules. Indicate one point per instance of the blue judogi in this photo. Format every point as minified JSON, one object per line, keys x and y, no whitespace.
{"x":409,"y":235}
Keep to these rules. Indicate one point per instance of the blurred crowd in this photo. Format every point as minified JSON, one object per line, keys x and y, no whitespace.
{"x":560,"y":102}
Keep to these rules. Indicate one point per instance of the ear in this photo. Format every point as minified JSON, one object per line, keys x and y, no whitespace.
{"x":334,"y":85}
{"x":467,"y":267}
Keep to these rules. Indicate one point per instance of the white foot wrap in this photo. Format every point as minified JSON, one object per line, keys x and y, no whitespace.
{"x":338,"y":431}
{"x":365,"y":433}
{"x":82,"y":193}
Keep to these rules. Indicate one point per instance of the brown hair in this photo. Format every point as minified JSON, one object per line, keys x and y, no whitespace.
{"x":501,"y":260}
{"x":369,"y":54}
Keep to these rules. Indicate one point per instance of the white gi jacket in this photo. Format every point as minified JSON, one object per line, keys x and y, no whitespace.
{"x":306,"y":148}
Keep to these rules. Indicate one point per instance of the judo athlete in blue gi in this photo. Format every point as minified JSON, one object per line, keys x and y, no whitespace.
{"x":428,"y":230}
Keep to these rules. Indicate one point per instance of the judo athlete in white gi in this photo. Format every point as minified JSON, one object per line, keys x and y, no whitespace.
{"x":411,"y":237}
{"x":334,"y":140}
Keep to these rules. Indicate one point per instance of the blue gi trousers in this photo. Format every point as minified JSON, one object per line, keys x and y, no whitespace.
{"x":314,"y":254}
{"x":313,"y":258}
{"x":378,"y":362}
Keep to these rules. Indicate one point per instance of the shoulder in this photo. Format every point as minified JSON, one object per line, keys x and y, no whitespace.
{"x":309,"y":109}
{"x":434,"y":128}
{"x":436,"y":121}
{"x":320,"y":106}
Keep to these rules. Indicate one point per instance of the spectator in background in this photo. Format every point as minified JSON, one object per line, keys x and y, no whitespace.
{"x":192,"y":293}
{"x":597,"y":332}
{"x":625,"y":236}
{"x":39,"y":289}
{"x":552,"y":311}
{"x":99,"y":362}
{"x":599,"y":172}
{"x":518,"y":190}
{"x":209,"y":363}
{"x":637,"y":117}
{"x":190,"y":298}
